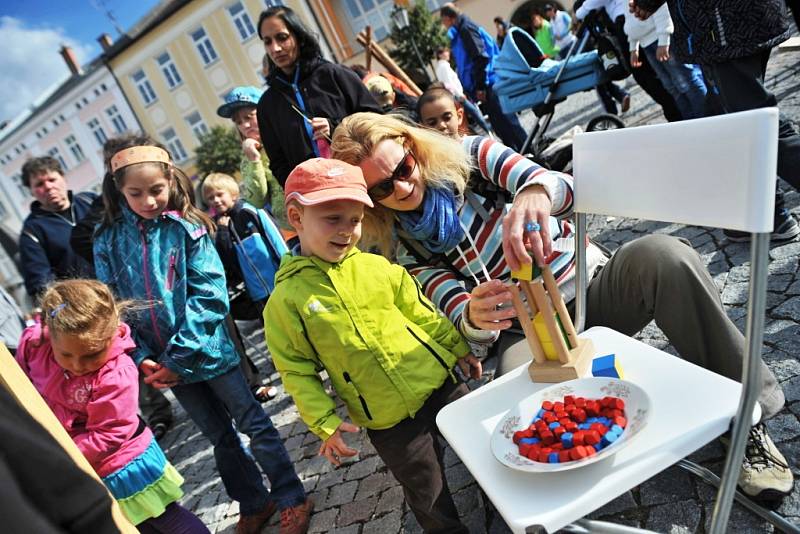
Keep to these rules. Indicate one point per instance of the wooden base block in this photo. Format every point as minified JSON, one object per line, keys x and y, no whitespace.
{"x":580,"y":359}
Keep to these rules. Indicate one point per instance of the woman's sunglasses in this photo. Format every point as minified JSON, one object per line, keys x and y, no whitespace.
{"x":402,"y":172}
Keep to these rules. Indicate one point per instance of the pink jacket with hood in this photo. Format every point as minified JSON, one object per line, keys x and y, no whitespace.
{"x":99,"y":409}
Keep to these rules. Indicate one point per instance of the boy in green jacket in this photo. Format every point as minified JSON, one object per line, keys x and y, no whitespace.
{"x":387,"y":350}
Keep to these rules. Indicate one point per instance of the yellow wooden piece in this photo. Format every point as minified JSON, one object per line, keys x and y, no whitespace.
{"x":526,"y":323}
{"x":525,"y":272}
{"x":561,"y":308}
{"x":543,"y":303}
{"x":543,"y":334}
{"x":15,"y":381}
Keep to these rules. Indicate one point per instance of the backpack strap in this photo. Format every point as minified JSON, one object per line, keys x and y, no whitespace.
{"x":426,"y":257}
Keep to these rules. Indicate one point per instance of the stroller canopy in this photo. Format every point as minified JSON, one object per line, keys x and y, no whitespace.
{"x":525,"y":75}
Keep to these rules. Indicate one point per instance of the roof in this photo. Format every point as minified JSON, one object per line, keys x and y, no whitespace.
{"x":157,"y":15}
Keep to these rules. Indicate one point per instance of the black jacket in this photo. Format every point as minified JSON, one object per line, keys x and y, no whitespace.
{"x":42,"y":490}
{"x":245,"y":223}
{"x":329,"y":90}
{"x":44,"y":244}
{"x":714,"y":31}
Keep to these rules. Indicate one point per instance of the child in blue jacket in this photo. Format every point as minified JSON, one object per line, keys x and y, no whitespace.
{"x":154,"y":246}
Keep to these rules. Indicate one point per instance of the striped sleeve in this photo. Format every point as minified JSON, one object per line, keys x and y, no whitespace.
{"x":509,"y":170}
{"x":448,"y":294}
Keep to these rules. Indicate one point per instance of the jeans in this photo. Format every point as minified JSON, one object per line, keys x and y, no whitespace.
{"x":214,"y":405}
{"x":506,"y":125}
{"x":608,"y":93}
{"x":684,"y":82}
{"x":475,"y":113}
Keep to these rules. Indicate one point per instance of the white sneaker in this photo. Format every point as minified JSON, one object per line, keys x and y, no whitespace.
{"x":765,"y":472}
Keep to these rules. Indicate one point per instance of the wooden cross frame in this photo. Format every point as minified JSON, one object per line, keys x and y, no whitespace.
{"x":558,"y":353}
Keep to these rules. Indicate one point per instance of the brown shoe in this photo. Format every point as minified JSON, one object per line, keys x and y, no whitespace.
{"x":295,"y":520}
{"x":252,"y":524}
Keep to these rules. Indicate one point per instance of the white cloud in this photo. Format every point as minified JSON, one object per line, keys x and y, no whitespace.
{"x":30,"y":63}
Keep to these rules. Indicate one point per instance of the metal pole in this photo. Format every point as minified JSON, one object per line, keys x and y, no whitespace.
{"x":751,"y":378}
{"x":580,"y":272}
{"x":419,"y":58}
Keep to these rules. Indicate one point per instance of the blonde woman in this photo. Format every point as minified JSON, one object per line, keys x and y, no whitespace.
{"x":467,"y":211}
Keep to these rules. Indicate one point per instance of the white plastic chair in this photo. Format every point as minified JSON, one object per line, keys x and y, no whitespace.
{"x":718,"y":172}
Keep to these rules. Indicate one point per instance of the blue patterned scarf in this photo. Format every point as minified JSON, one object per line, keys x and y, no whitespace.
{"x":437,"y":228}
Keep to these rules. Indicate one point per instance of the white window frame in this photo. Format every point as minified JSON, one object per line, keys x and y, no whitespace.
{"x":56,"y":153}
{"x":379,"y":16}
{"x":116,"y":119}
{"x":174,"y":145}
{"x":142,"y":83}
{"x":169,"y":70}
{"x":97,"y":130}
{"x":75,"y":148}
{"x":197,"y":124}
{"x":241,"y":21}
{"x":204,"y":46}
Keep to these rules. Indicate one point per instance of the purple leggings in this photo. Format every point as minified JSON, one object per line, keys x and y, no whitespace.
{"x":175,"y":520}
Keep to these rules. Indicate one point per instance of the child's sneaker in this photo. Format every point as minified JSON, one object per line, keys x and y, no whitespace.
{"x":765,"y":474}
{"x":253,"y":523}
{"x":295,"y":520}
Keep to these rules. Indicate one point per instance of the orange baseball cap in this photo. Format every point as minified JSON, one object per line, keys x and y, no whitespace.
{"x":321,"y":180}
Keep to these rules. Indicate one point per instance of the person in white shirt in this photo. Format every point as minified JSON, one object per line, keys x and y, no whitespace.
{"x":449,"y":78}
{"x":561,"y":28}
{"x":683,"y":81}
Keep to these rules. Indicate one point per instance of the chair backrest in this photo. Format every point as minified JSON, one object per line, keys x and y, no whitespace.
{"x":717,"y":171}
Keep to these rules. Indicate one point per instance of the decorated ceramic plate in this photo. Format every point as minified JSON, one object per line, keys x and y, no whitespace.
{"x":519,"y":417}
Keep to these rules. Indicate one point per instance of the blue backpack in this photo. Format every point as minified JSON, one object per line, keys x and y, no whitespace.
{"x":259,"y":258}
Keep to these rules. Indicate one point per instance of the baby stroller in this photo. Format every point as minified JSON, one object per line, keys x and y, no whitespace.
{"x":526,"y":79}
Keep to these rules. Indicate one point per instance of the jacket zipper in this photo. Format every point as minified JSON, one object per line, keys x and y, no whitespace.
{"x":148,"y":288}
{"x":430,"y":349}
{"x":171,"y":272}
{"x":364,"y":406}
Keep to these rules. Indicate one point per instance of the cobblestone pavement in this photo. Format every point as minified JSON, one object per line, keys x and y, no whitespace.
{"x":362,"y":497}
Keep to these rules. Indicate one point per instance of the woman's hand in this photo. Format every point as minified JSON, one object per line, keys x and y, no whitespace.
{"x":482,"y":307}
{"x":532,"y":205}
{"x":635,"y":61}
{"x":321,"y":128}
{"x":251,"y":149}
{"x":157,"y":375}
{"x":662,"y":53}
{"x":334,"y":448}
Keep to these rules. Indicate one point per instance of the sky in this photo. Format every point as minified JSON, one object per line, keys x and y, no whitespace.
{"x":32,"y":32}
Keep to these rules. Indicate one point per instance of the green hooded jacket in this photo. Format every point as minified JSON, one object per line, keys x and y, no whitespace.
{"x":385,"y":347}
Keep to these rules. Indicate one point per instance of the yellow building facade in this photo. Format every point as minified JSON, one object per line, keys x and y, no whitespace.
{"x":176,"y":65}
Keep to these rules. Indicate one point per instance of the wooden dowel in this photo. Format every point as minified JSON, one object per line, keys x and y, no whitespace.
{"x":561,"y":308}
{"x":368,"y":56}
{"x":527,"y":325}
{"x":384,"y":59}
{"x":540,"y":297}
{"x":526,"y":288}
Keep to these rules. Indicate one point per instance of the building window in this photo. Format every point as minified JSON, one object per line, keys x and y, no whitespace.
{"x":242,"y":21}
{"x":273,"y":3}
{"x":3,"y":211}
{"x":204,"y":46}
{"x":169,"y":69}
{"x":78,"y":105}
{"x":54,"y":152}
{"x":75,"y":148}
{"x":116,"y":119}
{"x":17,"y":180}
{"x":144,"y":87}
{"x":103,"y":87}
{"x":197,"y":125}
{"x":375,"y":13}
{"x":174,"y":145}
{"x":96,"y":91}
{"x":97,"y":130}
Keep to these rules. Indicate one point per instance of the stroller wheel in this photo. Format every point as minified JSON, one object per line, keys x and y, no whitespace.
{"x":604,"y":122}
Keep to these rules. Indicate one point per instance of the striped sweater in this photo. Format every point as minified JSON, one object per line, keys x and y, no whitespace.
{"x":480,"y":252}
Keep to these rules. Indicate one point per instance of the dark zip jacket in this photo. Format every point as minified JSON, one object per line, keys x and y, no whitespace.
{"x":328,"y":90}
{"x":714,"y":31}
{"x":44,"y":244}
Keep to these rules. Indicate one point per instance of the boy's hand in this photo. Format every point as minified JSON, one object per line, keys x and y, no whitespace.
{"x":334,"y":448}
{"x":471,"y":366}
{"x":223,"y":221}
{"x":635,"y":62}
{"x":662,"y":53}
{"x":252,"y":149}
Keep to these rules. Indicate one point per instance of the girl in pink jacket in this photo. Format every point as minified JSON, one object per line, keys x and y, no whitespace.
{"x":78,"y":361}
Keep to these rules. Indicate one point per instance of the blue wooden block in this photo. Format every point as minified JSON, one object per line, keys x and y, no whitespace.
{"x":607,"y":366}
